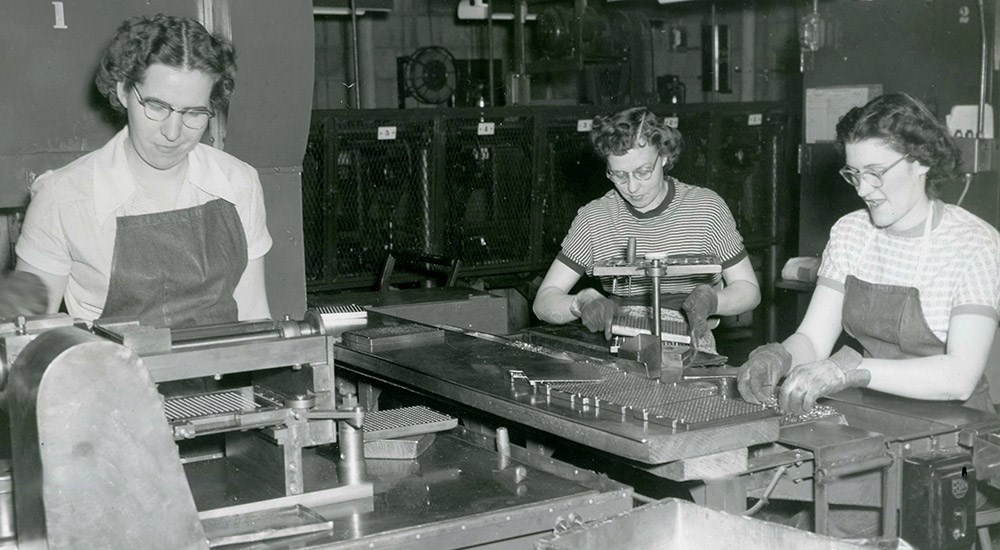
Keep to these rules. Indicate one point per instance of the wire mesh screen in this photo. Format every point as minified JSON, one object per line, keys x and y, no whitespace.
{"x":371,"y":195}
{"x":742,"y":174}
{"x":500,"y":201}
{"x":314,"y":205}
{"x":488,"y":185}
{"x":693,"y":165}
{"x":574,"y":176}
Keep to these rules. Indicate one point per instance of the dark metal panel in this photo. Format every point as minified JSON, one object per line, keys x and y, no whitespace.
{"x":365,"y":196}
{"x":488,"y":187}
{"x":824,"y":197}
{"x":284,"y":264}
{"x":269,"y":112}
{"x":50,"y":104}
{"x":573,"y":176}
{"x":927,"y":49}
{"x":930,"y":50}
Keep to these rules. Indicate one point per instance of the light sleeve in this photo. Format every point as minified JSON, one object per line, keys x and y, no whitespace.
{"x":258,"y":238}
{"x":42,"y":242}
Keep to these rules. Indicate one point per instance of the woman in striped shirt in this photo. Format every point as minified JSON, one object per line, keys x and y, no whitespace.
{"x":665,"y":216}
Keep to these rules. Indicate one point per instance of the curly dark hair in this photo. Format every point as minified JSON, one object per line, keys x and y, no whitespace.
{"x":617,"y":133}
{"x":907,"y":126}
{"x":169,"y":40}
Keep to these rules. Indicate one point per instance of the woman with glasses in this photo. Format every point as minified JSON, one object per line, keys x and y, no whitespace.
{"x":155,"y":226}
{"x":915,"y":281}
{"x":664,"y":216}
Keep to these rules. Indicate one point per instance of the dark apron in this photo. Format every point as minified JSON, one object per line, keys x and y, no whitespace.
{"x":888,"y":322}
{"x":178,"y":268}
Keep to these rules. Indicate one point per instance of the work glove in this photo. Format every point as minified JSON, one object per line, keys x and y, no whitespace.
{"x":595,"y":310}
{"x":22,"y":293}
{"x":698,"y":305}
{"x":759,"y":376}
{"x":807,"y":383}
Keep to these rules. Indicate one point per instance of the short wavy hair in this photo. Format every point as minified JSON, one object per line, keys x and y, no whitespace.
{"x":907,"y":126}
{"x":172,"y":41}
{"x":617,"y":133}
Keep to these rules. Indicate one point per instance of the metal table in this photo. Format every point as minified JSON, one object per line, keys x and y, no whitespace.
{"x":454,"y":495}
{"x":475,"y":372}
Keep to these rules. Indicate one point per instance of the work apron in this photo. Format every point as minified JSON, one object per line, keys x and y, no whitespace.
{"x":177,"y":268}
{"x":889,"y":323}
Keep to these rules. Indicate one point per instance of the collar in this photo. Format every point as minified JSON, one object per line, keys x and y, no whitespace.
{"x":660,"y":208}
{"x":114,"y":183}
{"x":936,"y":208}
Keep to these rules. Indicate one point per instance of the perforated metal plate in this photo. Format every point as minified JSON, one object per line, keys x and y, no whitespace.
{"x":634,"y":392}
{"x":405,"y":421}
{"x":706,"y":411}
{"x":685,"y":406}
{"x":341,"y":312}
{"x":207,"y":404}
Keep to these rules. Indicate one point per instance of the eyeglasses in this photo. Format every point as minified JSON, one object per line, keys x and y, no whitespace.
{"x":872,"y":178}
{"x":642,"y":174}
{"x":158,"y":111}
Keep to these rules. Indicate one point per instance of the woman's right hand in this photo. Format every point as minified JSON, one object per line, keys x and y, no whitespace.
{"x":594,"y":309}
{"x":597,"y":315}
{"x":759,"y":376}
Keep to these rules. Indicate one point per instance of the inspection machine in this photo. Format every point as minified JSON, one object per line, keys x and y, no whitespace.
{"x":919,"y":463}
{"x":248,"y":441}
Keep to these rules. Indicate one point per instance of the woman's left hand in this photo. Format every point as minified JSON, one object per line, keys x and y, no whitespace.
{"x":807,"y":383}
{"x":699,"y":305}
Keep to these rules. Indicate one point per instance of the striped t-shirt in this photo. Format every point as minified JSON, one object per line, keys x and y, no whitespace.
{"x":691,"y":220}
{"x":960,"y":272}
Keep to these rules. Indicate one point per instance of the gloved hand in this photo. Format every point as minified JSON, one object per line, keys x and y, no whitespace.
{"x":595,"y":310}
{"x":22,"y":293}
{"x":701,"y":303}
{"x":759,"y":376}
{"x":807,"y":383}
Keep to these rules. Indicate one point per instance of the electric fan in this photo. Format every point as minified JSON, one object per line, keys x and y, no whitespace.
{"x":429,"y":75}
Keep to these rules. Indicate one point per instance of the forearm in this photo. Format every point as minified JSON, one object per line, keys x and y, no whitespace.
{"x":54,"y":284}
{"x":738,"y":297}
{"x":554,"y":305}
{"x":250,"y":293}
{"x":936,"y":377}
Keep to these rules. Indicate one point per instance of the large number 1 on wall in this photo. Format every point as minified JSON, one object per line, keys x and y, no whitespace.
{"x":60,"y":16}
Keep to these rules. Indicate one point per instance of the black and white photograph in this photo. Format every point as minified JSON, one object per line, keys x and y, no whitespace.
{"x":499,"y":274}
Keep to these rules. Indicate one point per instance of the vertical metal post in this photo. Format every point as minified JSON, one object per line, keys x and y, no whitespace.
{"x":579,"y":11}
{"x":489,"y":47}
{"x":891,"y":479}
{"x":821,"y":507}
{"x":215,"y":17}
{"x":425,"y":201}
{"x":519,"y":90}
{"x":656,"y":297}
{"x":351,"y":467}
{"x":771,"y":267}
{"x":354,"y":50}
{"x":366,"y":58}
{"x":748,"y":22}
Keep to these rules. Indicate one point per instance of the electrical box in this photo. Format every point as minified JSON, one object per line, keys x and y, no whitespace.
{"x":939,"y":501}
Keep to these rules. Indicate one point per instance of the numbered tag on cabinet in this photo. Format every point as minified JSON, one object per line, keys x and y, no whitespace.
{"x":756,"y":119}
{"x":584,"y":124}
{"x":386,"y":132}
{"x":485,"y":129}
{"x":671,"y":121}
